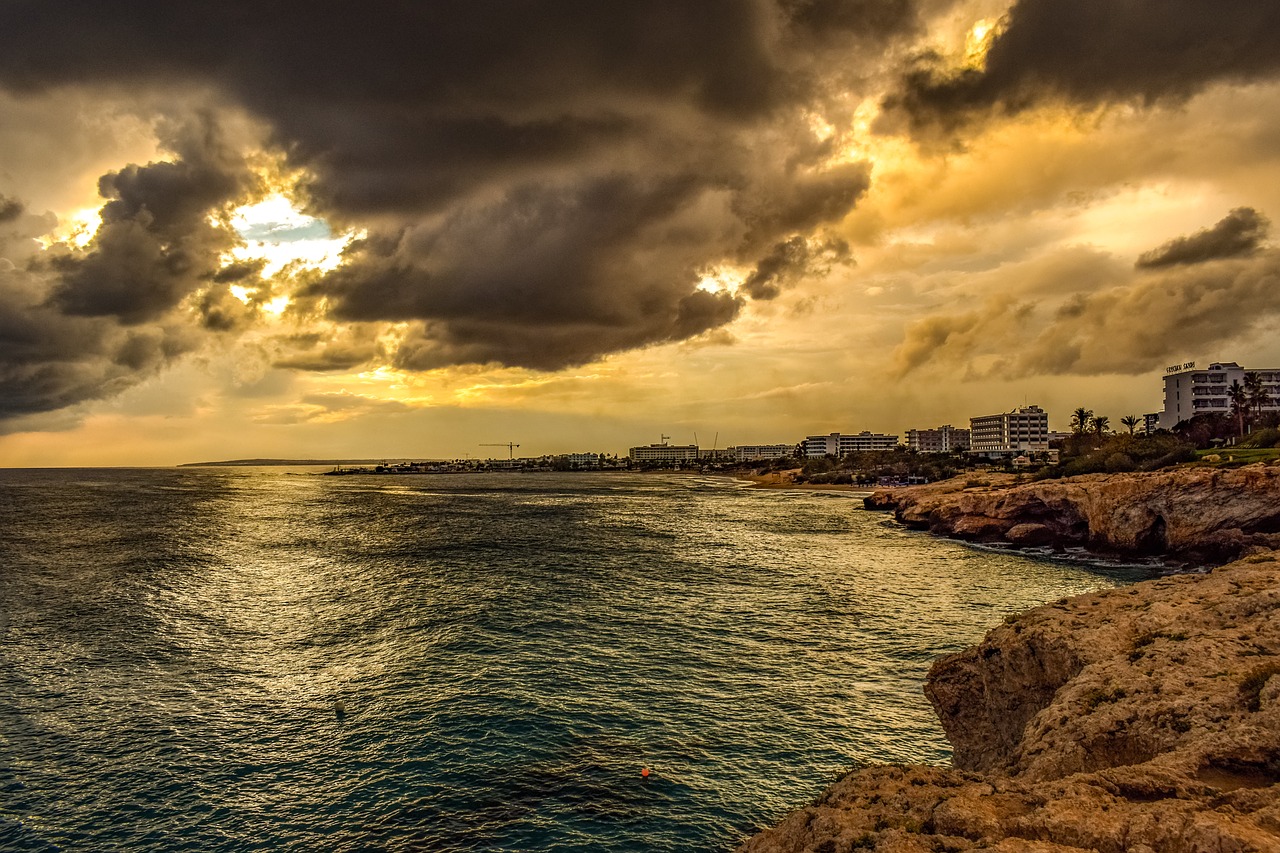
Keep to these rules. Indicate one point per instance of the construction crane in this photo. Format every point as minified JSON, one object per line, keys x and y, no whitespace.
{"x":509,"y":445}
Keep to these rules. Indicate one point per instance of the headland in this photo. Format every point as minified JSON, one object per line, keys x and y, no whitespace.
{"x":1199,"y":516}
{"x":1144,"y":719}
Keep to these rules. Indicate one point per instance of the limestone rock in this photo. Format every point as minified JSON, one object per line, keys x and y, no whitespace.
{"x":1208,"y":514}
{"x":1137,"y":720}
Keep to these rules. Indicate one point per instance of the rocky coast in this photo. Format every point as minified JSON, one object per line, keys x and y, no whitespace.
{"x":1195,"y":515}
{"x":1144,"y":719}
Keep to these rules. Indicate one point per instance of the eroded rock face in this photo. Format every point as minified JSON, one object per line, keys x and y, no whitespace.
{"x":1205,"y":514}
{"x":1137,"y":720}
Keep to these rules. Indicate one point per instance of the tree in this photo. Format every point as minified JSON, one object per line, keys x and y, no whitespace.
{"x":1239,"y":404}
{"x":1101,"y":423}
{"x":1081,"y":420}
{"x":1256,"y":393}
{"x":1131,"y":421}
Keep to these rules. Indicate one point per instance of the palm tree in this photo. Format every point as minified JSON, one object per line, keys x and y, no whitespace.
{"x":1239,"y":403}
{"x":1256,"y":392}
{"x":1081,"y":420}
{"x":1100,"y":425}
{"x":1131,"y":421}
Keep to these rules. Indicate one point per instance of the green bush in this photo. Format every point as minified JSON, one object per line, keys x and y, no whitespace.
{"x":1185,"y":453}
{"x":1119,"y":462}
{"x":1269,"y":437}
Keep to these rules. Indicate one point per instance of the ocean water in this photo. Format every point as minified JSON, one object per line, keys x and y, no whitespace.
{"x":231,"y":659}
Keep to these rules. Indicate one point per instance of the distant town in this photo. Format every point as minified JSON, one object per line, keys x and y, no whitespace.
{"x":1213,"y":406}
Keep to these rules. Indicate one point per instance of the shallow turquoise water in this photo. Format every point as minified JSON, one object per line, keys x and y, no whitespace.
{"x":221,"y":659}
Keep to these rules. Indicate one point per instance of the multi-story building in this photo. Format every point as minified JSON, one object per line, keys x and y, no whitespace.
{"x":1010,"y":433}
{"x":943,"y":439}
{"x":1191,"y":391}
{"x":755,"y":452}
{"x":664,"y":453}
{"x":837,"y":444}
{"x":584,"y":460}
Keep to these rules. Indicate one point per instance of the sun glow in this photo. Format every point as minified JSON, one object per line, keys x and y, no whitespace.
{"x":276,"y":231}
{"x":75,"y":230}
{"x":880,"y":150}
{"x":722,"y":279}
{"x":977,"y":42}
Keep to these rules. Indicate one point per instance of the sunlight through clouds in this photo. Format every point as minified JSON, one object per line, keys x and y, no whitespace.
{"x":274,"y":230}
{"x":691,"y":206}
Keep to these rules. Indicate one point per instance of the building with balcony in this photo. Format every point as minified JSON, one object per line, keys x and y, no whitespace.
{"x":757,"y":452}
{"x":836,"y":444}
{"x":1191,"y":390}
{"x":1007,"y":434}
{"x":664,"y":453}
{"x":943,"y":439}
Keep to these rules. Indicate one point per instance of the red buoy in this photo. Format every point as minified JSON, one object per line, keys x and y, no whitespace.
{"x":645,"y":772}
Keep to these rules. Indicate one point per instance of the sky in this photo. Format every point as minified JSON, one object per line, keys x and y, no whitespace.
{"x":397,"y":230}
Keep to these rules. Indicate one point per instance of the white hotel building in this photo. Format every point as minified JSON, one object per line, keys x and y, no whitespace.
{"x":664,"y":453}
{"x":755,"y":452}
{"x":1024,"y":430}
{"x":1191,"y":391}
{"x":835,"y":444}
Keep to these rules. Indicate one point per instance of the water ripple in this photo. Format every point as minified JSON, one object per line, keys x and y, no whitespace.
{"x":237,"y":660}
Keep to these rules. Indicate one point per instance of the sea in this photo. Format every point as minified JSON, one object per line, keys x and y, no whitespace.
{"x":231,"y":659}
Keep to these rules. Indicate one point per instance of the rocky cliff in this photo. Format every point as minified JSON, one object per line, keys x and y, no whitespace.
{"x":1201,"y":514}
{"x":1137,"y":720}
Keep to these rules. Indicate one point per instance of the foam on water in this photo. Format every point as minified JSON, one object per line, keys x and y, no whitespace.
{"x":220,"y":659}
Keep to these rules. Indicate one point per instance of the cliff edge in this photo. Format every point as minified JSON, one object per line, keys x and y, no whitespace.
{"x":1208,"y":515}
{"x":1144,"y":719}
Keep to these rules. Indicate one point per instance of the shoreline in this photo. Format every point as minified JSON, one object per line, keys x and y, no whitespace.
{"x":1197,"y":516}
{"x":1141,"y":719}
{"x":780,"y":480}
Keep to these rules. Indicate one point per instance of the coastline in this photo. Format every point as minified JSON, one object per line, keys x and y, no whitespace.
{"x":1144,"y":719}
{"x":782,"y":480}
{"x":1137,"y":720}
{"x":1199,"y":516}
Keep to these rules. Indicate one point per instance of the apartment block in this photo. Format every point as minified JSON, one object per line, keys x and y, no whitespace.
{"x":943,"y":439}
{"x":837,"y":444}
{"x":756,"y":452}
{"x":1021,"y":430}
{"x":664,"y":453}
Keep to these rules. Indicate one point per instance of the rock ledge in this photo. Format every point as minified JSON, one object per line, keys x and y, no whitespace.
{"x":1137,"y":720}
{"x":1204,"y":515}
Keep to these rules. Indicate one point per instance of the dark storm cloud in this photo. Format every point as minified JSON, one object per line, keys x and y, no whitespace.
{"x":1100,"y":51}
{"x":1240,"y":232}
{"x":317,"y":352}
{"x":540,"y":181}
{"x":1114,"y":318}
{"x":548,"y":277}
{"x":10,"y":209}
{"x":50,"y":361}
{"x":830,"y":20}
{"x":156,"y":244}
{"x":790,"y":260}
{"x":240,"y":271}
